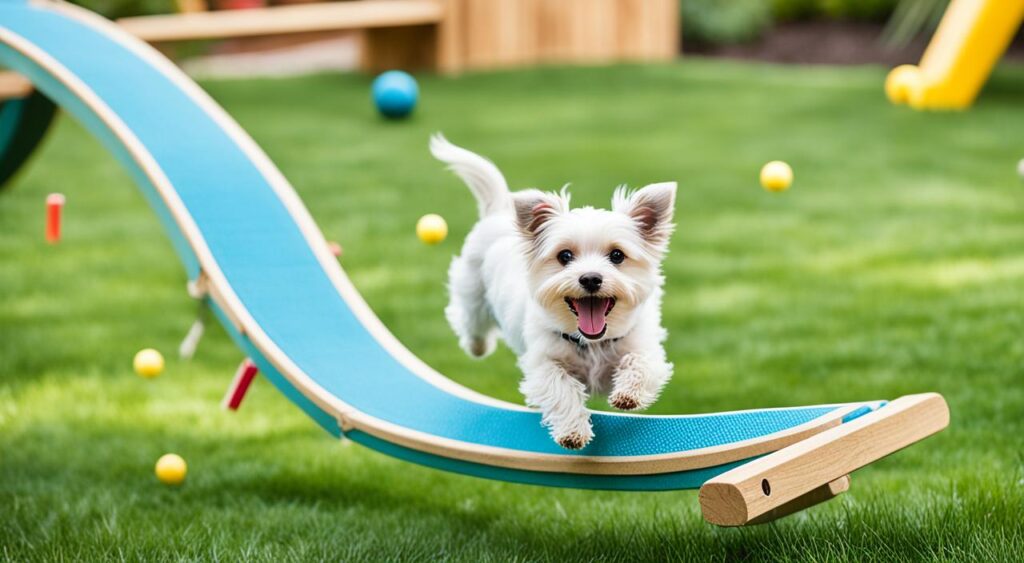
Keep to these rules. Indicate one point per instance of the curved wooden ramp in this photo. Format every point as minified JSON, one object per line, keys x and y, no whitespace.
{"x":244,"y":235}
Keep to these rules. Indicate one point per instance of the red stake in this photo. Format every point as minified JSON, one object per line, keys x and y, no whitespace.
{"x":54,"y":205}
{"x":240,"y":385}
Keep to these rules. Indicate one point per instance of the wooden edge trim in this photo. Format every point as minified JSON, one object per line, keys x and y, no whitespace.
{"x":594,"y":465}
{"x":739,"y":496}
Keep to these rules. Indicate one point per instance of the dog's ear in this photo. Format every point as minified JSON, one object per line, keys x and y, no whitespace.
{"x":651,"y":208}
{"x":534,"y":209}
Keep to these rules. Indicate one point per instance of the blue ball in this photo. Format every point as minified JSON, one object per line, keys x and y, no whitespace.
{"x":395,"y":93}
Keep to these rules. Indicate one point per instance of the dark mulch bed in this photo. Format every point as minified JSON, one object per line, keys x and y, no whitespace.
{"x":827,"y":43}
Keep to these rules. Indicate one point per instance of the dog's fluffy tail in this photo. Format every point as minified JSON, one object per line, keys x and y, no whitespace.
{"x":481,"y":175}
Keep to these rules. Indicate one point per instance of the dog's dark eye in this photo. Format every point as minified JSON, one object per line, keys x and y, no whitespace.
{"x":616,"y":256}
{"x":564,"y":257}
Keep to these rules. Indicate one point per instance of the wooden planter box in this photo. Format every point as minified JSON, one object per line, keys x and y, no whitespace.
{"x":482,"y":34}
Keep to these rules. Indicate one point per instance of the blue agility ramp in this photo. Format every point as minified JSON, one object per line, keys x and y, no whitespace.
{"x":253,"y":250}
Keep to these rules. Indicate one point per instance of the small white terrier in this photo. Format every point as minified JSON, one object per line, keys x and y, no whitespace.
{"x":576,"y":294}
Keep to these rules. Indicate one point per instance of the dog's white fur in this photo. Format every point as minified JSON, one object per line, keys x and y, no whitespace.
{"x":509,"y":282}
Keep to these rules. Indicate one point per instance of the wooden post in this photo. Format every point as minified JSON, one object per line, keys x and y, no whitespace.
{"x":451,"y":35}
{"x":740,"y":496}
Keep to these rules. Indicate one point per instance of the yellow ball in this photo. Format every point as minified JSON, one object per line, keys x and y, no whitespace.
{"x":901,"y":83}
{"x":431,"y":228}
{"x":171,"y":469}
{"x":776,"y":176}
{"x":148,"y":363}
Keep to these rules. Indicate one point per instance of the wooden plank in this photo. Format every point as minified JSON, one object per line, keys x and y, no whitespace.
{"x":14,"y":85}
{"x":670,"y":38}
{"x":631,"y":32}
{"x":599,"y":31}
{"x":480,"y":27}
{"x":284,"y":19}
{"x":499,"y":33}
{"x":739,"y":496}
{"x":451,"y":37}
{"x":551,"y":39}
{"x":648,"y":29}
{"x":583,"y":31}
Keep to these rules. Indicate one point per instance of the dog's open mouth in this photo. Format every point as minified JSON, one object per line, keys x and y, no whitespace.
{"x":591,"y":314}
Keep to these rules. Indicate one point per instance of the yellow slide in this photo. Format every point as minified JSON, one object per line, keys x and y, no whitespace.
{"x":972,"y":36}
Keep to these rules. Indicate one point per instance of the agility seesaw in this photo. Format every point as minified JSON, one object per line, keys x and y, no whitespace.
{"x":257,"y":258}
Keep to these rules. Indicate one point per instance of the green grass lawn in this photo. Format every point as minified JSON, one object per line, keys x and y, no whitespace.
{"x":894,"y":265}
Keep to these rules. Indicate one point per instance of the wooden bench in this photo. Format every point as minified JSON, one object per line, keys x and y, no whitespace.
{"x":415,"y":26}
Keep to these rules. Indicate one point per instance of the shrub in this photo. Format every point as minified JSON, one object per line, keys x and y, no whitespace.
{"x":724,"y":21}
{"x":122,"y":8}
{"x":864,"y":10}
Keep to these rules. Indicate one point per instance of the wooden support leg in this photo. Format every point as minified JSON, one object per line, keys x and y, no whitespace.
{"x":828,"y":491}
{"x":14,"y":86}
{"x":740,"y":496}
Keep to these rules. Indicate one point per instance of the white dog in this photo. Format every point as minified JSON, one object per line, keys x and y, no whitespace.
{"x":576,"y":294}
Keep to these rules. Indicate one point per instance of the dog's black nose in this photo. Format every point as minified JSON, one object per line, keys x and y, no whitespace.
{"x":591,"y":281}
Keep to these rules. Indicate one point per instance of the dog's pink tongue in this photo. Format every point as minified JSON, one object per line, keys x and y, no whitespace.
{"x":591,"y":312}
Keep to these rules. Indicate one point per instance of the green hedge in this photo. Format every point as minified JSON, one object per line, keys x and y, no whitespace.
{"x":123,"y":8}
{"x":869,"y":10}
{"x":724,"y":21}
{"x":738,"y":21}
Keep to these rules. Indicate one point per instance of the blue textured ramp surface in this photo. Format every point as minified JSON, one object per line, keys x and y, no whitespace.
{"x":268,"y":263}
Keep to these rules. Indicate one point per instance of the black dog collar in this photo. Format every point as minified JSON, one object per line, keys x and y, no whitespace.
{"x":578,"y":339}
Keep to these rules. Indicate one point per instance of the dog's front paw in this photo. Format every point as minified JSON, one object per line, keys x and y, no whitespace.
{"x":624,"y":401}
{"x":637,"y":382}
{"x":576,"y":437}
{"x":575,"y":440}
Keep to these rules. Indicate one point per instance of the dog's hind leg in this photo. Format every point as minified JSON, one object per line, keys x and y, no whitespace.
{"x":467,"y":311}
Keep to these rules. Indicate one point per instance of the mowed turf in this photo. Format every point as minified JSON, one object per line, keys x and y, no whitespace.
{"x":894,"y":265}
